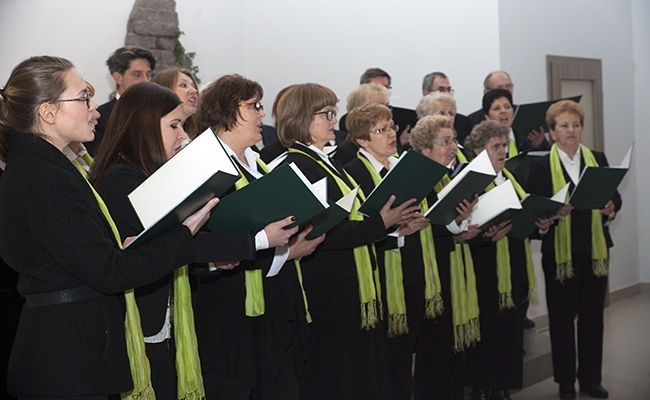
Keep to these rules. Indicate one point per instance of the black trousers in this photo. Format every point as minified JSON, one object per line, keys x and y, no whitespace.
{"x":582,"y":296}
{"x":401,"y":348}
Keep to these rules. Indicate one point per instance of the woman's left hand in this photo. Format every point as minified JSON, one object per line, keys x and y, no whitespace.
{"x":417,"y":223}
{"x":609,"y":210}
{"x":300,"y":246}
{"x":465,"y":209}
{"x":499,"y":231}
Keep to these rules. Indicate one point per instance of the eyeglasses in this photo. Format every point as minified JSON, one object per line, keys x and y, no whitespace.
{"x":86,"y":98}
{"x":445,"y":89}
{"x":258,"y":106}
{"x":329,"y":114}
{"x":393,"y":128}
{"x":445,"y":142}
{"x":508,"y":86}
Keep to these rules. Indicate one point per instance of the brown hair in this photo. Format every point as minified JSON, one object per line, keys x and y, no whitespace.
{"x":296,"y":109}
{"x":482,"y":133}
{"x":427,"y":129}
{"x":219,"y":106}
{"x":361,"y":120}
{"x":35,"y":81}
{"x":169,"y":79}
{"x":564,"y":106}
{"x":133,"y":135}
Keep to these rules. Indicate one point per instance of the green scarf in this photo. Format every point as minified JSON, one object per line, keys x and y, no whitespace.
{"x":503,"y":259}
{"x":138,"y":361}
{"x":512,"y":148}
{"x":461,"y":156}
{"x":464,"y":298}
{"x":254,"y":280}
{"x":562,"y":240}
{"x":368,"y":287}
{"x":188,"y":364}
{"x":397,"y":318}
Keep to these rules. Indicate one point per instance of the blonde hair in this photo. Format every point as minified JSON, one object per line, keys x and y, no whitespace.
{"x":564,"y":106}
{"x":366,"y":94}
{"x":427,"y":129}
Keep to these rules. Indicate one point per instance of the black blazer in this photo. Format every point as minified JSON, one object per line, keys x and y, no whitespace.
{"x":540,"y":183}
{"x":334,"y":257}
{"x":55,"y":235}
{"x":105,"y":111}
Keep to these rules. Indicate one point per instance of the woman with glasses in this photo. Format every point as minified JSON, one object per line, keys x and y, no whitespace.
{"x":252,"y":327}
{"x":505,"y":280}
{"x":182,"y":82}
{"x":367,"y":93}
{"x":403,"y":271}
{"x":443,"y":339}
{"x":347,"y":345}
{"x":575,"y":257}
{"x":57,"y":233}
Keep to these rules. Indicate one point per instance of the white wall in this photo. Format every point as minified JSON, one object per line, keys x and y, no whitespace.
{"x":641,"y":82}
{"x":86,"y":32}
{"x":281,"y":42}
{"x":600,"y":29}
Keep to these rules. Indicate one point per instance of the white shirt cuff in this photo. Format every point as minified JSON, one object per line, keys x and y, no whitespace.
{"x":261,"y":241}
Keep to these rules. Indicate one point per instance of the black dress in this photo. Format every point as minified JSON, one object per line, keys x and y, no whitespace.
{"x":251,"y":357}
{"x":400,"y":348}
{"x":497,"y":360}
{"x":438,"y":368}
{"x":346,"y":362}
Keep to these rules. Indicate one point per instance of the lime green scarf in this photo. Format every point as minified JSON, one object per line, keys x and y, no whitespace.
{"x":369,"y":289}
{"x":461,"y":156}
{"x":397,"y":318}
{"x":254,"y":280}
{"x":188,"y":364}
{"x":140,"y":369}
{"x":464,"y":298}
{"x":512,"y":148}
{"x":503,"y":259}
{"x":562,"y":240}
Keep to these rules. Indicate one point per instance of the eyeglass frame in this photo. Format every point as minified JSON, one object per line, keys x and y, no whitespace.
{"x":444,"y":89}
{"x":393,"y":127}
{"x":86,"y":98}
{"x":446,"y":142}
{"x":257,"y":105}
{"x":329,"y":114}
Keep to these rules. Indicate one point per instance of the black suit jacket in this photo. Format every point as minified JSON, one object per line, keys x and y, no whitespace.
{"x":105,"y":111}
{"x":540,"y":183}
{"x":60,"y":239}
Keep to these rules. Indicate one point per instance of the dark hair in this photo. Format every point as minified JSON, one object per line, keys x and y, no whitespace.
{"x":219,"y":105}
{"x":428,"y":79}
{"x":296,"y":110}
{"x":121,"y":59}
{"x":169,"y":78}
{"x":492,"y":95}
{"x":133,"y":135}
{"x":373,"y":73}
{"x":361,"y":120}
{"x":482,"y":133}
{"x":35,"y":81}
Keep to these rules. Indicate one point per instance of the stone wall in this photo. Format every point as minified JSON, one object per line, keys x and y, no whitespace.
{"x":153,"y":25}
